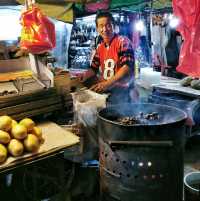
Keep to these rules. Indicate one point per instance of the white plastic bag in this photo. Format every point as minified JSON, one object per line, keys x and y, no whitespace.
{"x":86,"y":104}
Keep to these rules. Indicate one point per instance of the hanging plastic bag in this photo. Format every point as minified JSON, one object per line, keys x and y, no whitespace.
{"x":38,"y":32}
{"x":86,"y":103}
{"x":188,"y":12}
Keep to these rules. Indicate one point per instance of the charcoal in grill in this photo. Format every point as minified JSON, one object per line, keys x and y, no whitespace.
{"x":151,"y":116}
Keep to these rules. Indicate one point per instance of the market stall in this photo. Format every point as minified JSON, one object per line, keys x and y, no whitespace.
{"x":128,"y":164}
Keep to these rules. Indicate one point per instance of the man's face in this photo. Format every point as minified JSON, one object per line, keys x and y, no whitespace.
{"x":105,"y":28}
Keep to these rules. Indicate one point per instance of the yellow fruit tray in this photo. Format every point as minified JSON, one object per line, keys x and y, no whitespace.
{"x":56,"y":139}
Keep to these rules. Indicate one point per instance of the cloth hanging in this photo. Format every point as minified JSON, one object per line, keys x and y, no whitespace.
{"x":188,"y":12}
{"x":159,"y":40}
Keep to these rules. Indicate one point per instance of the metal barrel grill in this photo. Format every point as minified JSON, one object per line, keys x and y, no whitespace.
{"x":141,"y":152}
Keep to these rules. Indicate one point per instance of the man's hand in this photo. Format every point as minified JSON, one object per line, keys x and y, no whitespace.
{"x":101,"y":87}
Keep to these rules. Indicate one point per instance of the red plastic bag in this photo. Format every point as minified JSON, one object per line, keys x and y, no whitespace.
{"x":188,"y":12}
{"x":38,"y":32}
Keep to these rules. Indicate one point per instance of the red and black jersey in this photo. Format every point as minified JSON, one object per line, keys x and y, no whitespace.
{"x":109,"y":59}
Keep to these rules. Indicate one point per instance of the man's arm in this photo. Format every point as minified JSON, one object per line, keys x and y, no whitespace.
{"x":88,"y":74}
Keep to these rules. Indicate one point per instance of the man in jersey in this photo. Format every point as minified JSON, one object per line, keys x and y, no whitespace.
{"x":113,"y":61}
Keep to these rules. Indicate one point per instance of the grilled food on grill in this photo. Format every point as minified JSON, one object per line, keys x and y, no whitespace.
{"x":128,"y":120}
{"x":138,"y":119}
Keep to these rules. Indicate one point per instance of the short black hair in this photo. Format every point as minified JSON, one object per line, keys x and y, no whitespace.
{"x":103,"y":13}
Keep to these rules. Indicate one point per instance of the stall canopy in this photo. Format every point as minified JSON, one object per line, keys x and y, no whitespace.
{"x":58,"y":9}
{"x":64,"y":9}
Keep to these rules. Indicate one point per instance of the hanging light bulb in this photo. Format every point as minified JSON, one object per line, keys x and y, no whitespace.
{"x":139,"y":25}
{"x":173,"y":21}
{"x":170,"y":16}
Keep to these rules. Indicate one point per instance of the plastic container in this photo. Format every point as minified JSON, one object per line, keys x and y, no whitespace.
{"x":192,"y":186}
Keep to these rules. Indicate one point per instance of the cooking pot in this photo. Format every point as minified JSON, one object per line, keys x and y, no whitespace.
{"x":142,"y":161}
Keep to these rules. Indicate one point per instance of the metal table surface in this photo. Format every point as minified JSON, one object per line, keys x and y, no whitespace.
{"x":173,"y":85}
{"x":169,"y":84}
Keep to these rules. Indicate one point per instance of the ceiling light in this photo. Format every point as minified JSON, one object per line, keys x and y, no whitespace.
{"x":139,"y":25}
{"x":174,"y":22}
